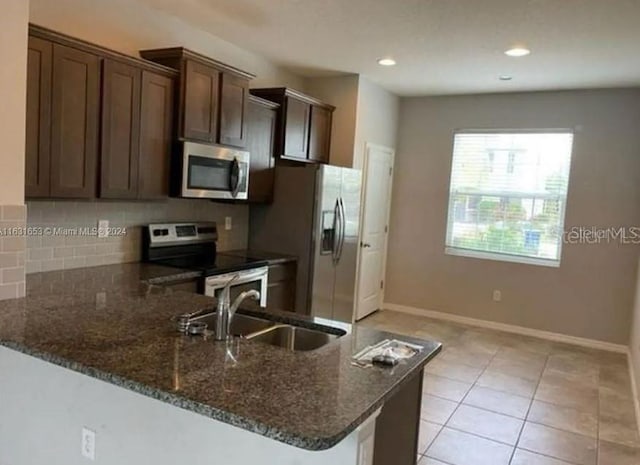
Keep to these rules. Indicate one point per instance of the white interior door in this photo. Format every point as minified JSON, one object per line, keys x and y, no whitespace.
{"x":377,"y":181}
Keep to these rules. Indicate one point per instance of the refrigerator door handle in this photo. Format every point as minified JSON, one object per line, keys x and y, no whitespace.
{"x":343,"y":228}
{"x":337,"y":231}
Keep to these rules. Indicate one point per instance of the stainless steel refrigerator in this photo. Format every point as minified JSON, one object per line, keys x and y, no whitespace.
{"x":315,"y":216}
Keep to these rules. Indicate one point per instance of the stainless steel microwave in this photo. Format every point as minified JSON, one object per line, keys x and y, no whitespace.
{"x":213,"y":172}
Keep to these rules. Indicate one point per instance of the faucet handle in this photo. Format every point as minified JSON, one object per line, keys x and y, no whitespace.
{"x":184,"y":320}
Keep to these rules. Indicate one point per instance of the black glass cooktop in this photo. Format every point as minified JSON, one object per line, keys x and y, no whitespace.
{"x":212,"y":265}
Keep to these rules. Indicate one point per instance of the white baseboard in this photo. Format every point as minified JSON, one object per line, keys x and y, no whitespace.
{"x":634,"y":387}
{"x":557,"y":337}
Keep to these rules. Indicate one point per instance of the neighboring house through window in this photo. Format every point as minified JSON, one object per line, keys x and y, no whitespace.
{"x":508,"y":195}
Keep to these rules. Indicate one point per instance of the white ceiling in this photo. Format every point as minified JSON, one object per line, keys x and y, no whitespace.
{"x":442,"y":46}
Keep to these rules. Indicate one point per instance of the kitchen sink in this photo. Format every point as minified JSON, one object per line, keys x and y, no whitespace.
{"x":293,"y":337}
{"x":241,"y":325}
{"x":265,"y":331}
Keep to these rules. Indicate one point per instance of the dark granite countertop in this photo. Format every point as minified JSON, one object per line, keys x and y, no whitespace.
{"x":273,"y":258}
{"x":109,"y":323}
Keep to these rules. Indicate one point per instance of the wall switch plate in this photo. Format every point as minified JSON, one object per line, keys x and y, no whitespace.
{"x":103,"y":228}
{"x":88,"y":444}
{"x":227,"y":223}
{"x":497,"y":295}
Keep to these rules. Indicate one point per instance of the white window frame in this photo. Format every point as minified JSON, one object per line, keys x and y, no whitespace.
{"x":500,"y":256}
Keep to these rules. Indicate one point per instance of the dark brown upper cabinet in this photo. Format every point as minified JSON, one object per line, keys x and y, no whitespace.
{"x":320,"y":134}
{"x":234,"y":102}
{"x":95,"y":115}
{"x":261,"y":130}
{"x":137,"y":120}
{"x":201,"y":95}
{"x":38,"y":141}
{"x":121,"y":86}
{"x":213,"y":98}
{"x":75,"y":103}
{"x":156,"y":135}
{"x":296,"y":128}
{"x":304,"y":125}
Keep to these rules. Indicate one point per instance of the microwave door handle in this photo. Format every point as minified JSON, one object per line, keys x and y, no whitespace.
{"x":234,"y":180}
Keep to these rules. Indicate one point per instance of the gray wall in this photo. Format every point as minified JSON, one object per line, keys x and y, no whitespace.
{"x":591,"y":294}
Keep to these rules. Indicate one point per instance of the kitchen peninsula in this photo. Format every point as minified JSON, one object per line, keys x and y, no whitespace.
{"x":97,"y":348}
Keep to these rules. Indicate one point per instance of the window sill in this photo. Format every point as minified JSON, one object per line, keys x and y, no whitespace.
{"x":502,"y":257}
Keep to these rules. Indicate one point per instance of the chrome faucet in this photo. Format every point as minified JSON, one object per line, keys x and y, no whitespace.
{"x":226,"y":310}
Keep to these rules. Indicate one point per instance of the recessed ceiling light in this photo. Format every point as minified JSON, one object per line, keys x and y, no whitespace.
{"x":517,"y":51}
{"x":386,"y":61}
{"x":505,"y":77}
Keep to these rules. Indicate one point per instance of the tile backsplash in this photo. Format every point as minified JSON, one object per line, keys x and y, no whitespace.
{"x":52,"y":245}
{"x":12,"y":251}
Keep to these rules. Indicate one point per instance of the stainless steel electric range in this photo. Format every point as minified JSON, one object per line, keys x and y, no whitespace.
{"x":193,"y":246}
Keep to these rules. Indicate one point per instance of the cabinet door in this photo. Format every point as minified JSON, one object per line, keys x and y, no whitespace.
{"x":38,"y":126}
{"x":281,"y":291}
{"x":200,"y":110}
{"x":234,"y":95}
{"x":320,"y":134}
{"x":296,"y":137}
{"x":156,"y":125}
{"x":120,"y":130}
{"x":261,"y":126}
{"x":74,"y":123}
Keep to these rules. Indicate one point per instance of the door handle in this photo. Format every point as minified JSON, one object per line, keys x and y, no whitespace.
{"x":365,"y":245}
{"x":337,"y":227}
{"x":343,"y":229}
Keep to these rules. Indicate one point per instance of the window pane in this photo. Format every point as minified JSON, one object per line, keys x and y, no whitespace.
{"x":508,"y":192}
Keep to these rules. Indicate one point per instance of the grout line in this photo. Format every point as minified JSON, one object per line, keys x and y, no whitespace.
{"x":548,"y":456}
{"x":524,"y":423}
{"x":598,"y":423}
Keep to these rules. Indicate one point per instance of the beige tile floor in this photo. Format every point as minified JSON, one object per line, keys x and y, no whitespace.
{"x":495,"y":398}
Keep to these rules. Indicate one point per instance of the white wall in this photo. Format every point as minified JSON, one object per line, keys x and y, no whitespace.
{"x":13,"y":92}
{"x":377,"y":123}
{"x":128,"y":26}
{"x":634,"y":342}
{"x":365,"y":113}
{"x":591,"y":294}
{"x":341,"y":92}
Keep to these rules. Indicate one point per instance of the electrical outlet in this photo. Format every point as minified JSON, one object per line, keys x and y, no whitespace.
{"x":227,"y":223}
{"x":103,"y":228}
{"x":497,"y":295}
{"x":101,"y":300}
{"x":88,"y":444}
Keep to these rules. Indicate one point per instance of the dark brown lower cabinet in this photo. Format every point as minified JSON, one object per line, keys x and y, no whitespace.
{"x":75,"y":104}
{"x":398,"y":425}
{"x":121,"y":85}
{"x":261,"y":130}
{"x":281,"y":290}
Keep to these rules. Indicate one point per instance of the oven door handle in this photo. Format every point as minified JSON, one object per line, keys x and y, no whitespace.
{"x":234,"y":177}
{"x":243,"y":276}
